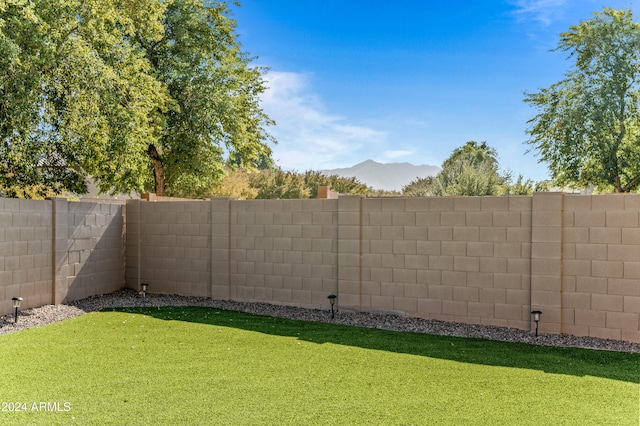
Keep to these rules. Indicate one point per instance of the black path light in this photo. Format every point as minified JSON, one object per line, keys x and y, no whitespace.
{"x":143,"y":287}
{"x":332,"y":301}
{"x":536,"y":318}
{"x":16,"y":305}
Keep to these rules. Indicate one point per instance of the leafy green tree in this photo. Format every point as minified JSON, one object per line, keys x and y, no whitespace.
{"x":279,"y":184}
{"x":262,"y":161}
{"x":470,"y":170}
{"x":236,"y":184}
{"x":276,"y":183}
{"x":421,"y":187}
{"x":137,"y":94}
{"x":520,"y":187}
{"x":214,"y":93}
{"x":466,"y":177}
{"x":473,"y":153}
{"x":73,"y":96}
{"x":342,"y":185}
{"x":587,"y":127}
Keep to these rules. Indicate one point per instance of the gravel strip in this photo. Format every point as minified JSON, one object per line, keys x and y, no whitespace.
{"x":129,"y":298}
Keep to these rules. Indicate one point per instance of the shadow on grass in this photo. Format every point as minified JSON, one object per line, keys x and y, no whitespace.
{"x":571,"y":361}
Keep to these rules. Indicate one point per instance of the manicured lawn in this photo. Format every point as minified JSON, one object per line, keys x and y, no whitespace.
{"x":199,"y":366}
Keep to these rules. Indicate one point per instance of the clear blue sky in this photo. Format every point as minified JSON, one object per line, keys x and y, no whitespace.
{"x":406,"y":80}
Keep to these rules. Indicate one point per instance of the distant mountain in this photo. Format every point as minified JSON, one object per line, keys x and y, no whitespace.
{"x":387,"y":177}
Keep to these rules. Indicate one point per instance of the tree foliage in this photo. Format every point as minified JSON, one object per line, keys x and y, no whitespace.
{"x":472,"y":169}
{"x":70,"y":90}
{"x":126,"y":92}
{"x":342,"y":185}
{"x":279,"y":184}
{"x":521,"y":186}
{"x":420,"y":187}
{"x":276,"y":183}
{"x":236,"y":184}
{"x":587,"y":126}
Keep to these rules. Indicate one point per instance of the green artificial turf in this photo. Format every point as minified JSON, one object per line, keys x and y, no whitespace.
{"x":200,"y":366}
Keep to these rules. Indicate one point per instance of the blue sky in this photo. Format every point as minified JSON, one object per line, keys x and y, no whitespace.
{"x":406,"y":80}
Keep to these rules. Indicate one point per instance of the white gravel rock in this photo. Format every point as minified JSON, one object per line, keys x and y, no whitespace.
{"x":128,"y":298}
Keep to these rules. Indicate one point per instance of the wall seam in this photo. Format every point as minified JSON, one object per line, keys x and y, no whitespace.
{"x":210,"y":289}
{"x":53,"y":251}
{"x":139,"y":244}
{"x":229,"y":249}
{"x":360,"y":216}
{"x":562,"y":224}
{"x":531,"y":263}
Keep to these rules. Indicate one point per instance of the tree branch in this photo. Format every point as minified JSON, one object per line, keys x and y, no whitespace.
{"x":631,"y":184}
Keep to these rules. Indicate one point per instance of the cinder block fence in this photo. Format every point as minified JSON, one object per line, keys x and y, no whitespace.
{"x":55,"y":251}
{"x":484,"y":260}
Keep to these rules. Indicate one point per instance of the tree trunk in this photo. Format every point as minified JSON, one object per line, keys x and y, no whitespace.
{"x":158,"y":169}
{"x":616,"y":185}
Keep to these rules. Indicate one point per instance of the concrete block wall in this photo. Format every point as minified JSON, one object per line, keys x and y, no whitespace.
{"x":25,"y":253}
{"x":601,"y":266}
{"x":55,"y":251}
{"x":454,"y":259}
{"x":349,"y":285}
{"x":484,"y":260}
{"x":276,"y":251}
{"x":169,"y":246}
{"x":283,"y":251}
{"x":89,"y":249}
{"x":547,"y":259}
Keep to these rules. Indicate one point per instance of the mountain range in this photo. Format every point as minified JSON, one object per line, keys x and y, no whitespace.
{"x":385,"y":176}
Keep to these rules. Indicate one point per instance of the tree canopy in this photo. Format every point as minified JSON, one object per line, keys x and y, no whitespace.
{"x":472,"y":169}
{"x":137,"y":94}
{"x":588,"y":125}
{"x":275,"y":183}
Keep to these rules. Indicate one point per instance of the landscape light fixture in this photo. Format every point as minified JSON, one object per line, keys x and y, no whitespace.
{"x":16,"y":305}
{"x":332,"y":301}
{"x":536,"y":318}
{"x":144,"y":286}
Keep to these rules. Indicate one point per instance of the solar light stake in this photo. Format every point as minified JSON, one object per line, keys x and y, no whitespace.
{"x":144,"y":289}
{"x":332,"y":301}
{"x":16,"y":304}
{"x":536,"y":318}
